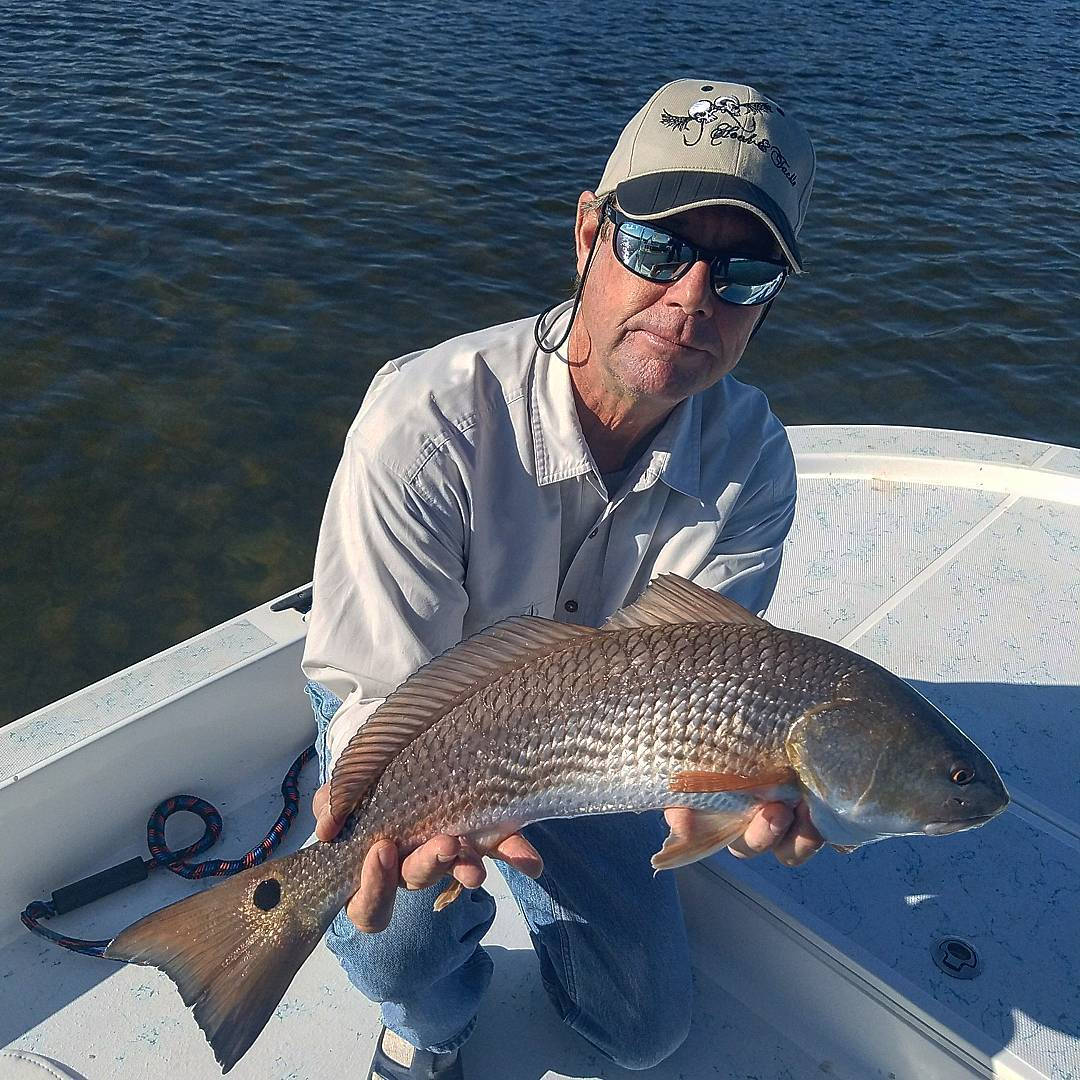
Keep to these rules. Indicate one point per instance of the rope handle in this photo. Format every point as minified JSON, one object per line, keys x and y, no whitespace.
{"x":128,"y":873}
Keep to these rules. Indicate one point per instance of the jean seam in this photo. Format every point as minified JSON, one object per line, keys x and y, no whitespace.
{"x":560,"y":920}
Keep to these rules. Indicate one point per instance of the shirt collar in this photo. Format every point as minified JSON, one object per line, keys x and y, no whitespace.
{"x":559,"y":447}
{"x":674,"y":455}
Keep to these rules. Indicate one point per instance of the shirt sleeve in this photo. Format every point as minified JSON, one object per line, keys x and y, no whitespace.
{"x":744,"y":563}
{"x":388,"y":590}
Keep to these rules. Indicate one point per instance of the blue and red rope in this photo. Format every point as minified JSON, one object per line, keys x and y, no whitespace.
{"x":160,"y":855}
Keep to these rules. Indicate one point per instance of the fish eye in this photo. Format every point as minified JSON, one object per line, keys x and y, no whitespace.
{"x":962,"y":774}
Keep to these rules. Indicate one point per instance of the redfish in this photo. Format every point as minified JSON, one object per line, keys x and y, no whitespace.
{"x":681,"y":699}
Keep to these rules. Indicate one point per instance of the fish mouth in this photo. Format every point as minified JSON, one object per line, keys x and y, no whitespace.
{"x":944,"y":828}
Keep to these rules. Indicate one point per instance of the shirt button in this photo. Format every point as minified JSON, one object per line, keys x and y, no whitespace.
{"x":593,"y":533}
{"x":571,"y":606}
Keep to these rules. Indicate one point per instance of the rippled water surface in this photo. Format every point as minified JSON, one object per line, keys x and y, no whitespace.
{"x":218,"y":219}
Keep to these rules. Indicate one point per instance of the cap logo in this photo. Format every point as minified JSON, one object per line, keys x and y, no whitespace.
{"x":736,"y":121}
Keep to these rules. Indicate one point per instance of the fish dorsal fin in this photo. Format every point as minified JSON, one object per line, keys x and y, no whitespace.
{"x":671,"y":599}
{"x":429,"y":694}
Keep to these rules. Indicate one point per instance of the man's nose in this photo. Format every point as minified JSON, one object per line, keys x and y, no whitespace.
{"x":693,"y":291}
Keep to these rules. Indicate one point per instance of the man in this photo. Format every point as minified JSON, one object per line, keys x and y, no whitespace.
{"x":554,"y":470}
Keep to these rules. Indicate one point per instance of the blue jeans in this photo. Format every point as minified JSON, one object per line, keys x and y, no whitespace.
{"x":609,"y":937}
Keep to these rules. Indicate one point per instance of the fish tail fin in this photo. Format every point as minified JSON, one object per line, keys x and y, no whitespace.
{"x":233,"y":949}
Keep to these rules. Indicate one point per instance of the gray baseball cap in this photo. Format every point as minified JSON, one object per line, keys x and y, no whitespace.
{"x":701,"y":142}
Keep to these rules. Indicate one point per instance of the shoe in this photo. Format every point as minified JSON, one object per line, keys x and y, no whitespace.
{"x":395,"y":1059}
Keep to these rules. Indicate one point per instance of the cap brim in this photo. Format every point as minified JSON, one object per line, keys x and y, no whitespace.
{"x":661,"y":194}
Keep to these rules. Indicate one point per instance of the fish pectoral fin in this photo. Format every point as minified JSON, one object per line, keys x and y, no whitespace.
{"x":699,"y":834}
{"x":844,"y":849}
{"x":448,"y":895}
{"x":690,"y":780}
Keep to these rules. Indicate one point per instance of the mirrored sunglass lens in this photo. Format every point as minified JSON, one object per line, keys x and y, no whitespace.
{"x":748,"y":281}
{"x":652,"y":254}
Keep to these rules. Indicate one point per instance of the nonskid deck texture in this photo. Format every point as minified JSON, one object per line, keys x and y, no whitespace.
{"x":952,"y":558}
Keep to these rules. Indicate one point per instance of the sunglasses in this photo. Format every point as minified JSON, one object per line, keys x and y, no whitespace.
{"x":658,"y":255}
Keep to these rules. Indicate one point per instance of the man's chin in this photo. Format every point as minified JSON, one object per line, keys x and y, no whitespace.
{"x":660,"y":380}
{"x":670,"y":371}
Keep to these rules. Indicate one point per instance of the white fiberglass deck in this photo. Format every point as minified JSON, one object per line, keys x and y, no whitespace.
{"x":952,"y":558}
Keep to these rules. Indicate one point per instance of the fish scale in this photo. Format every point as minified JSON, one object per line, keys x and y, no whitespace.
{"x":693,"y":678}
{"x":683,"y":699}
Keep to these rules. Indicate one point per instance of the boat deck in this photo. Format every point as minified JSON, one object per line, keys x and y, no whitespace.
{"x":952,"y":558}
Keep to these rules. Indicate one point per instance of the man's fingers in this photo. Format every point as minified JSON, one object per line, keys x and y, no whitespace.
{"x":430,"y":862}
{"x":790,"y":834}
{"x":520,"y":854}
{"x":515,"y":850}
{"x":766,"y":827}
{"x":469,"y":868}
{"x":371,"y":907}
{"x":802,"y":839}
{"x":326,"y":826}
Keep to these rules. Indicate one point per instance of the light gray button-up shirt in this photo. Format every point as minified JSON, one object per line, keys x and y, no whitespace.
{"x":466,"y":493}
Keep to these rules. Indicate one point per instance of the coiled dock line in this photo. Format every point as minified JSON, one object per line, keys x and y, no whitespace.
{"x":127,"y":873}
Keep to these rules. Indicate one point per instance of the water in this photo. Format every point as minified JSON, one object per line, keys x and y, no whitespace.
{"x":218,"y":219}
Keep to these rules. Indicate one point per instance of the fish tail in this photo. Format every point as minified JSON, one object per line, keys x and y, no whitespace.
{"x":233,"y":949}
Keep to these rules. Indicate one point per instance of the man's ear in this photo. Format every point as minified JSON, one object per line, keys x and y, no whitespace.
{"x":588,"y":221}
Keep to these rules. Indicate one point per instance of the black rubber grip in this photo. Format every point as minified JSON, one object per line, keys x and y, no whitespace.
{"x":98,"y":885}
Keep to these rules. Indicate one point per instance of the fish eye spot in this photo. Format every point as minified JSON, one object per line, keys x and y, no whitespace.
{"x":706,"y":88}
{"x":267,"y":894}
{"x":962,"y":774}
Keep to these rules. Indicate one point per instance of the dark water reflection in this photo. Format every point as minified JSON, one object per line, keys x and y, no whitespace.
{"x":217,"y":220}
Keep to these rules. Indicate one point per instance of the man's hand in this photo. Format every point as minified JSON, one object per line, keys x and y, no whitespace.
{"x":790,"y":835}
{"x":371,"y":906}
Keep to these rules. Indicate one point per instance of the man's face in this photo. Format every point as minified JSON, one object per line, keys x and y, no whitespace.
{"x":639,"y":339}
